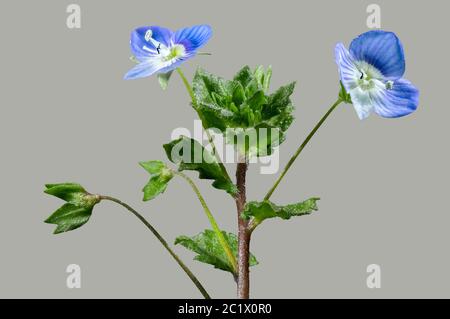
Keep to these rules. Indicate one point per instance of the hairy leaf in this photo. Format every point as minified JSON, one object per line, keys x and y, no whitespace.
{"x":243,"y":104}
{"x":160,"y":176}
{"x":78,"y":209}
{"x":209,"y":250}
{"x":189,"y":154}
{"x":69,"y":217}
{"x":266,"y":209}
{"x":69,"y":192}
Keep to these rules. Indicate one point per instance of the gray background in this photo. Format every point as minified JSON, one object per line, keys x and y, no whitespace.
{"x":67,"y":115}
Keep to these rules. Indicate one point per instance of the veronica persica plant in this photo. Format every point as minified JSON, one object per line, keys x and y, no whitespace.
{"x":371,"y":78}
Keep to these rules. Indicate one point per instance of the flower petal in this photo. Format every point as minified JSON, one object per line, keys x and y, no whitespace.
{"x":142,"y":48}
{"x":399,"y":101}
{"x":381,"y":49}
{"x":363,"y":102}
{"x":193,"y":37}
{"x":144,"y":69}
{"x":175,"y":64}
{"x":348,"y":72}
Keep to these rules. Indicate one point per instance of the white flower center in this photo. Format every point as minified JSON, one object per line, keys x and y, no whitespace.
{"x":369,"y":77}
{"x":367,"y":87}
{"x":174,"y":52}
{"x":167,"y":54}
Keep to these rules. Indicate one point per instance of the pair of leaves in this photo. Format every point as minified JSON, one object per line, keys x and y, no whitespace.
{"x":160,"y":177}
{"x":210,"y":251}
{"x":78,"y":209}
{"x":244,"y":103}
{"x":266,"y":209}
{"x":189,"y":154}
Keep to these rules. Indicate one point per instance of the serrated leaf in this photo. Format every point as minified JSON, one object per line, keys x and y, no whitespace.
{"x":244,"y":103}
{"x":78,"y":209}
{"x":244,"y":76}
{"x":267,"y":78}
{"x":70,"y":192}
{"x":69,"y":217}
{"x":160,"y":177}
{"x":163,"y":79}
{"x":209,"y":249}
{"x":189,"y":154}
{"x":278,"y":110}
{"x":153,"y":167}
{"x":266,"y":209}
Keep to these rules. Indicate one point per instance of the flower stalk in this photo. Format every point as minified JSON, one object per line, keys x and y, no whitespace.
{"x":301,"y":147}
{"x":163,"y":242}
{"x":212,"y":221}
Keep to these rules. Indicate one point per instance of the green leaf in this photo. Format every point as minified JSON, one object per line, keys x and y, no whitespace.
{"x":78,"y":209}
{"x":163,"y":79}
{"x":69,"y":217}
{"x":242,"y":104}
{"x":244,"y":76}
{"x":266,"y":209}
{"x":278,"y":110}
{"x":153,"y":167}
{"x":189,"y":154}
{"x":160,"y":177}
{"x":266,"y":79}
{"x":69,"y":192}
{"x":209,"y":250}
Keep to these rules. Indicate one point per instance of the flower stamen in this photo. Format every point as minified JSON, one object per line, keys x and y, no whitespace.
{"x":389,"y":85}
{"x":149,"y":38}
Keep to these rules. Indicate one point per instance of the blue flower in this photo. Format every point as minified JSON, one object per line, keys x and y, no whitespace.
{"x":159,"y":50}
{"x":372,"y":73}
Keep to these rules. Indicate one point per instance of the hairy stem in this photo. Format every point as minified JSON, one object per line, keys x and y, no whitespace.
{"x":195,"y":105}
{"x":300,"y":149}
{"x":212,"y":221}
{"x":243,"y":280}
{"x":163,"y":242}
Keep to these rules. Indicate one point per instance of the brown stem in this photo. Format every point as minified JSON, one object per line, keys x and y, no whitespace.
{"x":243,"y":279}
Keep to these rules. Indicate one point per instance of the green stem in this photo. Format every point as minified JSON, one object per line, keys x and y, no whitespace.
{"x":195,"y":105}
{"x":163,"y":242}
{"x":219,"y":234}
{"x":300,"y":149}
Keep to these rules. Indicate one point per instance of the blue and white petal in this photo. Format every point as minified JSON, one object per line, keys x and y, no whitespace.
{"x":145,"y":41}
{"x":400,"y":100}
{"x":351,"y":73}
{"x":143,"y":69}
{"x":348,"y":71}
{"x":381,"y":49}
{"x":175,"y":63}
{"x":193,"y":37}
{"x":363,"y":100}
